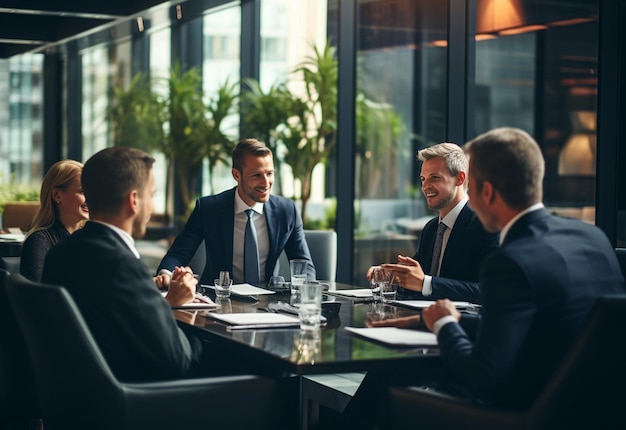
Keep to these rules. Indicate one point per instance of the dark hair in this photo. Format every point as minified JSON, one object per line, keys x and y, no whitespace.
{"x":111,"y":174}
{"x":511,"y":160}
{"x":248,"y":146}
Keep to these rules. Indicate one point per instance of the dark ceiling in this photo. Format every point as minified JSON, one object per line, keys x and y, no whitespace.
{"x":26,"y":25}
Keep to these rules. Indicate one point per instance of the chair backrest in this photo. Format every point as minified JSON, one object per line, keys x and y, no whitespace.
{"x":584,"y":390}
{"x":621,"y":257}
{"x":18,"y":395}
{"x":71,"y":374}
{"x":19,"y":214}
{"x":323,"y":247}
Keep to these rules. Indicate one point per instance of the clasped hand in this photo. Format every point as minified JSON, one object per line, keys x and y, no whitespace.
{"x":181,"y":286}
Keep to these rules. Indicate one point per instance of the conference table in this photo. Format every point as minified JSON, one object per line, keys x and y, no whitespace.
{"x":290,"y":352}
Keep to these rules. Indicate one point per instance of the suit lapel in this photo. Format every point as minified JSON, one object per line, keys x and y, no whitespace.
{"x":226,"y":218}
{"x":270,"y":212}
{"x":456,"y":238}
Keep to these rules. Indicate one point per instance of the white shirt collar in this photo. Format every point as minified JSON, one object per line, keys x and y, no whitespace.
{"x":241,"y":206}
{"x":126,"y":238}
{"x":509,"y":224}
{"x":451,"y":217}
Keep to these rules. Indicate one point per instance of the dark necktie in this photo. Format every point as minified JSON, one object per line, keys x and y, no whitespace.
{"x":250,"y":252}
{"x":434,"y":265}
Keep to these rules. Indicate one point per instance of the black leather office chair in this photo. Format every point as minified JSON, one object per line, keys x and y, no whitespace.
{"x":78,"y":390}
{"x":18,"y":395}
{"x":621,"y":257}
{"x":585,"y":392}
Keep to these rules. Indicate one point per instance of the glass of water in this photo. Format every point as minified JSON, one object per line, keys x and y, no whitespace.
{"x":298,"y":270}
{"x":310,"y":309}
{"x":223,"y":285}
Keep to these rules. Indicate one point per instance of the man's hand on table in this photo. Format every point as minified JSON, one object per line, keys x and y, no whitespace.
{"x":182,"y":287}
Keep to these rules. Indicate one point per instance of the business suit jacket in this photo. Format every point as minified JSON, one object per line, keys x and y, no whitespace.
{"x":467,"y":246}
{"x":213,"y":220}
{"x":537,"y":290}
{"x":131,"y":322}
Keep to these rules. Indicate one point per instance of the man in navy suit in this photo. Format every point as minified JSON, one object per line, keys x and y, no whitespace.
{"x":537,"y":288}
{"x":465,"y":242}
{"x":220,"y":220}
{"x":100,"y":267}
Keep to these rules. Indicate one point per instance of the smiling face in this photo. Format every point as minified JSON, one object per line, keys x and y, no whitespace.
{"x":441,"y":189}
{"x":255,"y":179}
{"x":70,"y":202}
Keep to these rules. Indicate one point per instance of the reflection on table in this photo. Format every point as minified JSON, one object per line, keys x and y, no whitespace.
{"x":332,"y":349}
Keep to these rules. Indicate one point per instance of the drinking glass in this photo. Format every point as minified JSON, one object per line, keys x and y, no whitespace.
{"x":310,"y":309}
{"x":382,"y":287}
{"x":223,"y":285}
{"x":298,"y":268}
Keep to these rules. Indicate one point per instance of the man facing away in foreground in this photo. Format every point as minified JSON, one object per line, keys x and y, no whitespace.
{"x":221,"y":221}
{"x":464,"y":244}
{"x":114,"y":290}
{"x":537,"y":288}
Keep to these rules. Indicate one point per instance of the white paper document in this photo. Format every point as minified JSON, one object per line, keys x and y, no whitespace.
{"x":359,"y":292}
{"x":200,"y":302}
{"x":245,"y":290}
{"x":396,"y":336}
{"x":421,"y":304}
{"x":256,"y":320}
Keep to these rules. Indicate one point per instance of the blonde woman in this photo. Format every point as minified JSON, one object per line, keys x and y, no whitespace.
{"x":63,"y":211}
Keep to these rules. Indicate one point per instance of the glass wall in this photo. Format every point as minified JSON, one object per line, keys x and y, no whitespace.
{"x":23,"y":140}
{"x":221,"y":65}
{"x":534,"y":65}
{"x":536,"y":69}
{"x":159,"y":71}
{"x":401,"y":68}
{"x":95,"y":99}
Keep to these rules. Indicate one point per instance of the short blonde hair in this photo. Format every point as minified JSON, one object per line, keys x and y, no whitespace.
{"x":456,"y":158}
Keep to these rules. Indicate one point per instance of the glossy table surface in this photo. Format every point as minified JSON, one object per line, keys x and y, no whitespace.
{"x":331,"y":349}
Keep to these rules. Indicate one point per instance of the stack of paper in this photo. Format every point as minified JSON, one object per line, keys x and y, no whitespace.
{"x":396,"y":336}
{"x":200,"y":302}
{"x":245,"y":290}
{"x":256,"y":320}
{"x":360,"y":293}
{"x":421,"y":304}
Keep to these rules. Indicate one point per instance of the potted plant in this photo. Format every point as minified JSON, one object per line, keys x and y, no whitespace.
{"x":179,"y":125}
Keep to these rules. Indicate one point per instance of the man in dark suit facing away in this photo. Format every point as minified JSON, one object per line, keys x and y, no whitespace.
{"x":114,"y":290}
{"x":465,"y":243}
{"x":537,"y":288}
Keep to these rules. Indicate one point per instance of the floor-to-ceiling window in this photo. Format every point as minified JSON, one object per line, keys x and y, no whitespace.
{"x":537,"y":69}
{"x":24,"y":144}
{"x":95,"y":98}
{"x":401,"y":69}
{"x":159,"y":71}
{"x":534,"y":65}
{"x":221,"y":68}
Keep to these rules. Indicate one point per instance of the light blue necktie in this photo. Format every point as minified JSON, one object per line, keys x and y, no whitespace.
{"x":250,"y":252}
{"x":434,"y":265}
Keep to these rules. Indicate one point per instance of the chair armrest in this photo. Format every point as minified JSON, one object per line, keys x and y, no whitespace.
{"x":413,"y":407}
{"x":221,"y":402}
